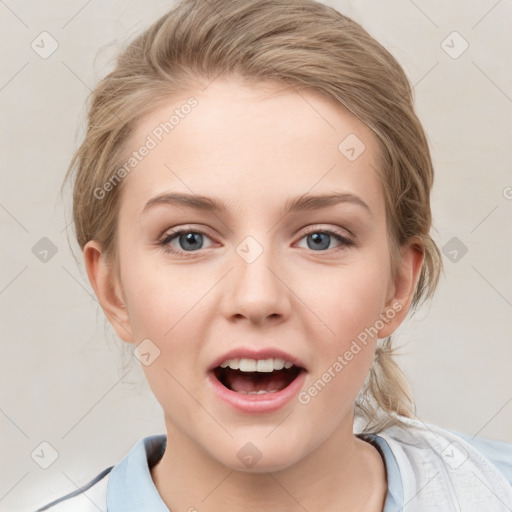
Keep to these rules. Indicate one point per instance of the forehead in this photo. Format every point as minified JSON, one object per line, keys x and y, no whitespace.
{"x":251,"y":145}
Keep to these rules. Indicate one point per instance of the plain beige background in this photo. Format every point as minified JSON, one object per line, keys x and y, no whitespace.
{"x":64,"y":378}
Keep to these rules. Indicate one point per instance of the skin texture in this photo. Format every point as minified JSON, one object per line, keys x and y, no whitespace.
{"x":255,"y":148}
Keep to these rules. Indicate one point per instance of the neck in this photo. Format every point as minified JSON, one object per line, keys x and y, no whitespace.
{"x":343,"y":474}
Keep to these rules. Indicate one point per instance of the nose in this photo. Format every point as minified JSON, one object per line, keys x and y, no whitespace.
{"x":257,"y":291}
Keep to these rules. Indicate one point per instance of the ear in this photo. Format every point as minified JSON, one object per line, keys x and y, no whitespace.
{"x":403,"y":287}
{"x":107,"y":289}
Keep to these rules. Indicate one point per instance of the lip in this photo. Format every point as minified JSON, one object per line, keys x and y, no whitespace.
{"x":257,"y":404}
{"x":250,"y":353}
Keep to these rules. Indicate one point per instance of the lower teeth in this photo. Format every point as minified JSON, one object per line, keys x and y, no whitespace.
{"x":260,"y":392}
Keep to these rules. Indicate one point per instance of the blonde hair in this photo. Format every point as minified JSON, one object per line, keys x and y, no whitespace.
{"x":299,"y":43}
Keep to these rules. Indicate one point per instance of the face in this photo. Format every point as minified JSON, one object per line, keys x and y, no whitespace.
{"x":254,"y":279}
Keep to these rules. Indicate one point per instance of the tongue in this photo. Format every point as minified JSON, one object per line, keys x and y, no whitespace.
{"x":256,"y":381}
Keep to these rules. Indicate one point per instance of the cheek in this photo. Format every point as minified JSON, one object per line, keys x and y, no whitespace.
{"x":166,"y":306}
{"x":158,"y":297}
{"x":349,"y":300}
{"x":349,"y":304}
{"x":345,"y":352}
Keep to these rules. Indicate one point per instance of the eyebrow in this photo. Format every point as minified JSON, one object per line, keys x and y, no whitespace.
{"x":305,"y":202}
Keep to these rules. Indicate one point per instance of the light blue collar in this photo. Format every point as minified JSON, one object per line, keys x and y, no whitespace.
{"x":395,"y":495}
{"x":131,"y":488}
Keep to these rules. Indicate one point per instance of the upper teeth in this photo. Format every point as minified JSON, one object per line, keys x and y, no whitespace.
{"x":256,"y":365}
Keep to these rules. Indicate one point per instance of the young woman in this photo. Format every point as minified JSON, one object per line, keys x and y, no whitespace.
{"x":252,"y":198}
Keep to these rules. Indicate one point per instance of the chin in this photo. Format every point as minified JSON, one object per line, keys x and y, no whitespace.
{"x":260,"y":456}
{"x":263,"y":465}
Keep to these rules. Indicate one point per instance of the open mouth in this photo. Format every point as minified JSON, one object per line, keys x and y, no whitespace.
{"x":256,"y":377}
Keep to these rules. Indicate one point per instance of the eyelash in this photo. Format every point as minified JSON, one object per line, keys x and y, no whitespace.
{"x":345,"y":241}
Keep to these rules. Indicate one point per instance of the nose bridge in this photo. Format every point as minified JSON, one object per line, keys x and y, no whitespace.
{"x":257,"y":290}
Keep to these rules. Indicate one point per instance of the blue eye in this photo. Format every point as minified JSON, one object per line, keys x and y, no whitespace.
{"x":320,"y":239}
{"x":191,"y":241}
{"x":188,"y":240}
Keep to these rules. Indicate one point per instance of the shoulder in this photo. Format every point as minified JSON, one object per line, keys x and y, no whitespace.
{"x":126,"y":485}
{"x":454,"y":447}
{"x":90,"y":497}
{"x":499,"y":453}
{"x":440,"y":467}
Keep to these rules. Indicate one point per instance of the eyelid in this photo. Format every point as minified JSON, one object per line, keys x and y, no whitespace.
{"x":342,"y":232}
{"x":184,"y":227}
